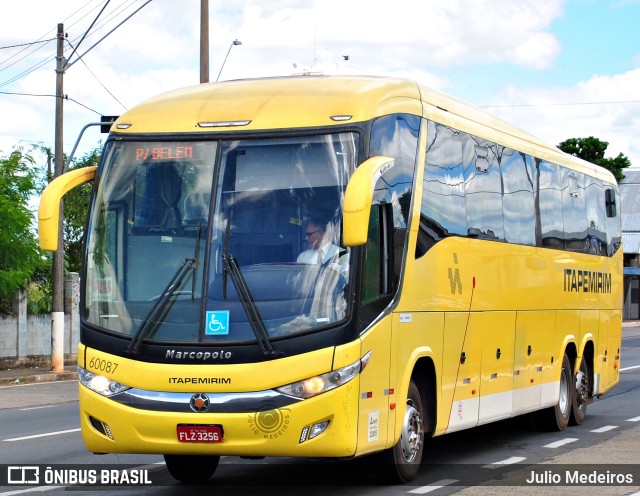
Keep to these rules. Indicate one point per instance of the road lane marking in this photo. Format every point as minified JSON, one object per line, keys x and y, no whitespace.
{"x":35,"y":408}
{"x":634,"y":419}
{"x":562,"y":442}
{"x":40,"y":435}
{"x":606,"y":428}
{"x":31,"y":490}
{"x":630,"y":368}
{"x":508,"y":461}
{"x":433,"y":487}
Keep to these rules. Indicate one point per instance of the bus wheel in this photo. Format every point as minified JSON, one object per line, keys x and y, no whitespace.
{"x":401,"y":463}
{"x":191,"y":469}
{"x":556,"y":418}
{"x":581,"y":394}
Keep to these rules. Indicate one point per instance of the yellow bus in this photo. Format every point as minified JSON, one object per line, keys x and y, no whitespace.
{"x":335,"y":267}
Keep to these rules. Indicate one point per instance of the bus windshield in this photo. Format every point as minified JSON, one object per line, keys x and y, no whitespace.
{"x":219,"y":241}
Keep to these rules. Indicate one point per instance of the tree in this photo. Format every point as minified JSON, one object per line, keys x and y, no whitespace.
{"x":19,"y":252}
{"x":76,"y":206}
{"x":592,"y":150}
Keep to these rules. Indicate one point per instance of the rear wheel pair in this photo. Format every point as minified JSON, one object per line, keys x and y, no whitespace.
{"x":572,"y":403}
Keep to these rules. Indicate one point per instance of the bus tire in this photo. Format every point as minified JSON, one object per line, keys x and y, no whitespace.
{"x":401,"y":463}
{"x":191,"y":469}
{"x":556,"y":418}
{"x":580,"y":395}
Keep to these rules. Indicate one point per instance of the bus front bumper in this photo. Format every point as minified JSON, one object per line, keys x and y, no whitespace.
{"x":322,"y":426}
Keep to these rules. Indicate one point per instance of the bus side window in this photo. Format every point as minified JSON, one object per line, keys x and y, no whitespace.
{"x":377,"y":278}
{"x":610,"y":202}
{"x":372,"y":260}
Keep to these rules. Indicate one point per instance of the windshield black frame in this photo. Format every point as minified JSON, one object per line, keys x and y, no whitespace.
{"x":206,"y":262}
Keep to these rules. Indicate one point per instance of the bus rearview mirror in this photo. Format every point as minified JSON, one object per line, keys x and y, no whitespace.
{"x":358,"y":198}
{"x":49,"y":209}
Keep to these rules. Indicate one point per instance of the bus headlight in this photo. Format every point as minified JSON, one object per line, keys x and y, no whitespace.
{"x":99,"y":383}
{"x":319,"y":384}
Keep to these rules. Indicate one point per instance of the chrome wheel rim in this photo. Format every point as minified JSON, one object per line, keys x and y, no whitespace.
{"x":411,"y":437}
{"x":582,"y":388}
{"x":563,"y":402}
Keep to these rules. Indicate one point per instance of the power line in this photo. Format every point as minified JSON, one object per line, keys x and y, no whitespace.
{"x":26,"y":44}
{"x":83,"y":105}
{"x":102,"y":24}
{"x":117,"y":12}
{"x":559,"y":104}
{"x":66,"y":97}
{"x":68,"y":65}
{"x":101,"y":83}
{"x":28,"y":71}
{"x":22,"y":94}
{"x":45,"y":34}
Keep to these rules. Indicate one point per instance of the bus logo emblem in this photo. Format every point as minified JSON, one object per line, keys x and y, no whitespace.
{"x":199,"y":402}
{"x":217,"y":323}
{"x":454,"y":276}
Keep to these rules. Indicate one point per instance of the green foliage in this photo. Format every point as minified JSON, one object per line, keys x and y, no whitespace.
{"x":22,"y":263}
{"x":39,"y":298}
{"x":40,"y":289}
{"x":19,"y":252}
{"x":76,"y":207}
{"x":592,"y":150}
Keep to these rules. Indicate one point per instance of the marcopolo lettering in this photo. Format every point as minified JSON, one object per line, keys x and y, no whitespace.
{"x":586,"y":281}
{"x":199,"y":355}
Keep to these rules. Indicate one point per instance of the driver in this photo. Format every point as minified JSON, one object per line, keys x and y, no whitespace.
{"x":321,"y":251}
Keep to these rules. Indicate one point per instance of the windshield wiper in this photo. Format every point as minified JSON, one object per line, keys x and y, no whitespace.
{"x":194,"y":265}
{"x":161,"y":302}
{"x":232,"y":268}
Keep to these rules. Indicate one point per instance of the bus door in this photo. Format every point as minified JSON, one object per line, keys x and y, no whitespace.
{"x":496,"y":370}
{"x":461,"y":369}
{"x":374,"y":381}
{"x":608,"y":352}
{"x":535,"y":337}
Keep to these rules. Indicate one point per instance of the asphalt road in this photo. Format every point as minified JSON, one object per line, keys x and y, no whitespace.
{"x":39,"y":426}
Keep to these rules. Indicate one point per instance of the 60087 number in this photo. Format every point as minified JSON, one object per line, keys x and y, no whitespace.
{"x":103,"y":365}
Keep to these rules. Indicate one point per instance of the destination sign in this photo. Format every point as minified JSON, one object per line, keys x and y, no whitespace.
{"x":166,"y":152}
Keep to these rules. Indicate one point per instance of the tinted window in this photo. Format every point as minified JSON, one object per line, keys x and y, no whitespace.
{"x":549,"y":205}
{"x":483,"y":190}
{"x":443,"y":211}
{"x":396,"y":136}
{"x":476,"y":188}
{"x":596,"y":216}
{"x":613,"y":223}
{"x":518,"y":200}
{"x":573,"y":211}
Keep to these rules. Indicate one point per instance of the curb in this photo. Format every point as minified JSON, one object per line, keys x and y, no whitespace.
{"x":38,"y":378}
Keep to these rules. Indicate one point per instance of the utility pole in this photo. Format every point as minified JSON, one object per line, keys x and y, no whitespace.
{"x":57,"y":316}
{"x":204,"y":41}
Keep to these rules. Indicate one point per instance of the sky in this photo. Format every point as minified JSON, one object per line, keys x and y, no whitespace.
{"x":557,"y":68}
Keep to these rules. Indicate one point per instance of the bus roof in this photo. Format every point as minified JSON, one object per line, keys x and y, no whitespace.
{"x":317,"y":101}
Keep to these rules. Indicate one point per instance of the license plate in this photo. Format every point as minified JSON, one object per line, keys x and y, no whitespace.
{"x":199,"y":433}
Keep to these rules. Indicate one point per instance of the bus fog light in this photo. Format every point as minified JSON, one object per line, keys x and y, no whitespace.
{"x":304,"y":433}
{"x":317,"y":429}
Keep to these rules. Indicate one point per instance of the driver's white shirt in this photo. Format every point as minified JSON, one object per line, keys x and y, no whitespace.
{"x":318,"y":255}
{"x":327,"y":252}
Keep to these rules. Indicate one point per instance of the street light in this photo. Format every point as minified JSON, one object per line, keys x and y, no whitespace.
{"x":234,"y":42}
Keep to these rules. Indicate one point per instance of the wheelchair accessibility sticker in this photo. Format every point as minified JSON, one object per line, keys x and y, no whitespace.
{"x":217,"y":323}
